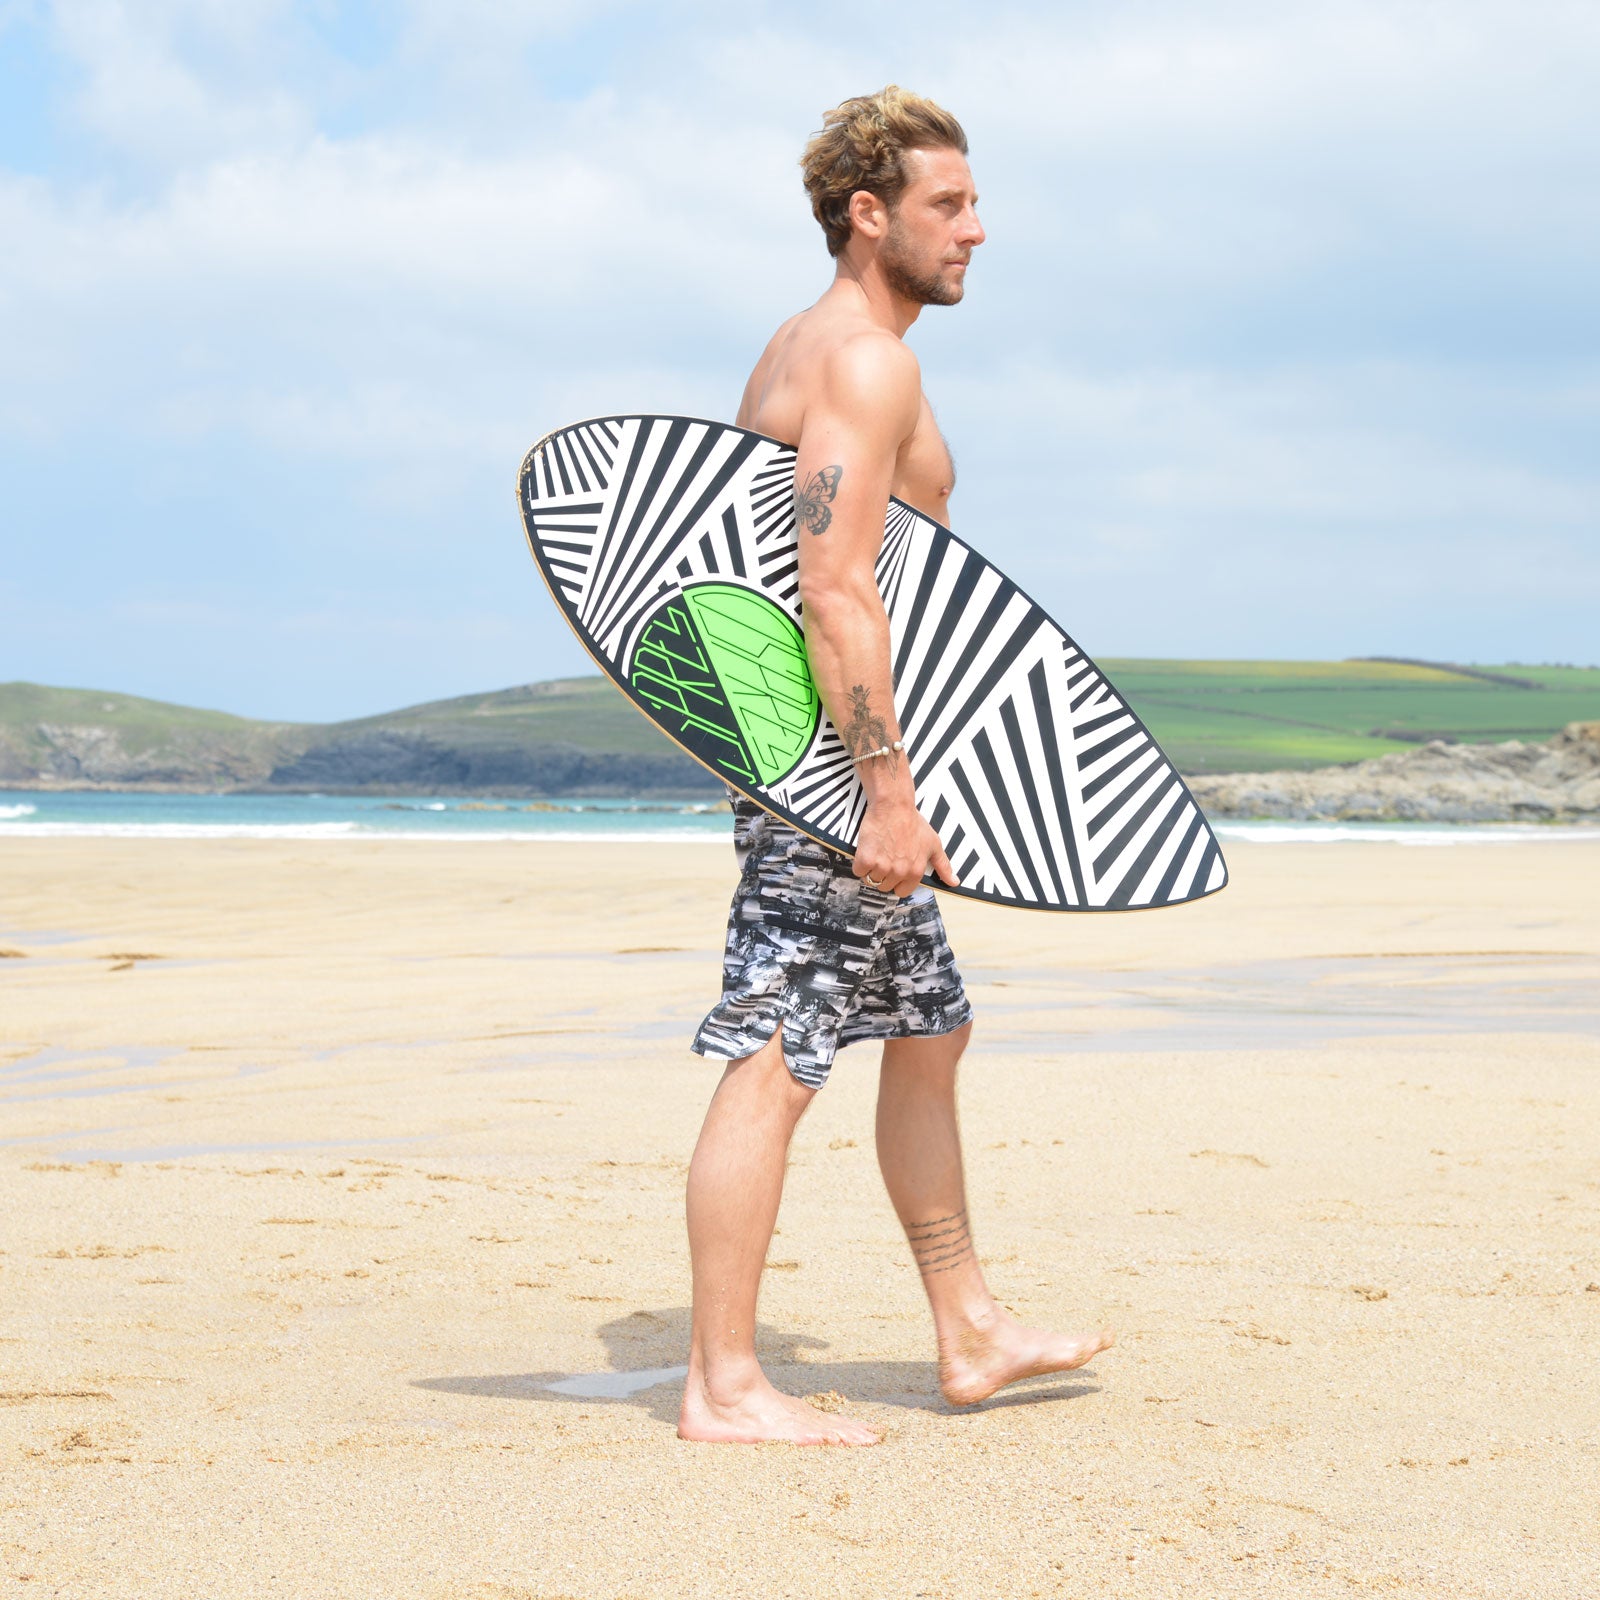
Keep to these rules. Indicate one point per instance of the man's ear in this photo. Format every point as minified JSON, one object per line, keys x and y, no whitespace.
{"x":869,"y":214}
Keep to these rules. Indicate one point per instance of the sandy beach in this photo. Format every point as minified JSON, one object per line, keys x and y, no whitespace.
{"x":321,"y":1161}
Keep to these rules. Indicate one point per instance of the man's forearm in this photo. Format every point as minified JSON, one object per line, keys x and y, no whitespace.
{"x":847,"y":641}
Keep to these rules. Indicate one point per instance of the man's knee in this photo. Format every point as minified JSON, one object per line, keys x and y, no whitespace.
{"x":769,"y":1073}
{"x":945,"y":1045}
{"x":922,"y":1052}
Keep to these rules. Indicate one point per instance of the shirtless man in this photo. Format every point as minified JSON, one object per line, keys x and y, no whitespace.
{"x":823,"y":950}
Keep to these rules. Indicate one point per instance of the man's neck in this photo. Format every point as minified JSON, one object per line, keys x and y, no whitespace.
{"x":865,"y":286}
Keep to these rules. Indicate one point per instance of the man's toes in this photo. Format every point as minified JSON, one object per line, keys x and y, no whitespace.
{"x":853,"y":1433}
{"x":1090,"y":1346}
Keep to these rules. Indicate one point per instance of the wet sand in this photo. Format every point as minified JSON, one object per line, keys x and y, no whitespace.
{"x":320,"y":1162}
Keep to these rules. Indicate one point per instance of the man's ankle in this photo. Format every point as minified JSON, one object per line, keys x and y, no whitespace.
{"x":978,"y":1315}
{"x":728,"y":1380}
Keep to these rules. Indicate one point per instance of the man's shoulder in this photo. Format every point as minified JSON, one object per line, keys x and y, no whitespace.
{"x":868,"y":349}
{"x":869,"y":366}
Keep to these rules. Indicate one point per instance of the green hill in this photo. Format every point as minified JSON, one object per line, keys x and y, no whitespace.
{"x":578,"y":735}
{"x":568,"y":736}
{"x":95,"y":735}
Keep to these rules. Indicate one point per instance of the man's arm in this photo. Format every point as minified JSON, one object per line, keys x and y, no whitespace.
{"x":867,"y":405}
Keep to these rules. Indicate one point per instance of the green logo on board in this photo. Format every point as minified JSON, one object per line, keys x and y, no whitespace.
{"x":725,"y":671}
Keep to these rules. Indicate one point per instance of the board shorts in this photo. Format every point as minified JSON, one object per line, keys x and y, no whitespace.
{"x":813,"y":950}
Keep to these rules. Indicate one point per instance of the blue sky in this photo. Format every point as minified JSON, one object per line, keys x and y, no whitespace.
{"x":1285,"y":342}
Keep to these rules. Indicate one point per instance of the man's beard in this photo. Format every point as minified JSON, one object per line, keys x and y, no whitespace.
{"x":920,"y":288}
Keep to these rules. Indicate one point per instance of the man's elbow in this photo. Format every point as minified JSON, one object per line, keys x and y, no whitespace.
{"x":828,"y":602}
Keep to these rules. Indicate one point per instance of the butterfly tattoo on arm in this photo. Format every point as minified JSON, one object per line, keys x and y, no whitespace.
{"x":811,"y":509}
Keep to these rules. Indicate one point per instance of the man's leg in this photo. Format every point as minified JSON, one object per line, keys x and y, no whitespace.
{"x":981,"y":1347}
{"x":735,"y":1184}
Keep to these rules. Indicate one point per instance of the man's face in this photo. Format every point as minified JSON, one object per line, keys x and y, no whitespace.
{"x":933,"y":229}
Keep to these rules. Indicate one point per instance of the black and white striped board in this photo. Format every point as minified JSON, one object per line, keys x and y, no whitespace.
{"x":669,"y":544}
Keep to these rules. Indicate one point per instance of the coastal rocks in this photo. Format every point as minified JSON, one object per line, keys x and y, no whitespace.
{"x":92,"y":753}
{"x":1558,"y":781}
{"x":15,"y":767}
{"x":94,"y":756}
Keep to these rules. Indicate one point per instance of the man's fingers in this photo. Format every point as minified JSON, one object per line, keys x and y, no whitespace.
{"x":890,"y":879}
{"x":899,"y":871}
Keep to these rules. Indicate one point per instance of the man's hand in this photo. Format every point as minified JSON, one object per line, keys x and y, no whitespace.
{"x":896,"y":847}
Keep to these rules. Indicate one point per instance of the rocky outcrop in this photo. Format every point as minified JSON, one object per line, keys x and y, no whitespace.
{"x":413,"y":763}
{"x":1558,"y":781}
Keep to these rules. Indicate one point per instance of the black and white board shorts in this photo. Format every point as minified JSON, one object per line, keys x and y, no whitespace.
{"x":812,"y":949}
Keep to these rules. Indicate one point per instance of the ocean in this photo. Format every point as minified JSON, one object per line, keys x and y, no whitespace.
{"x":133,"y":814}
{"x":137,"y":814}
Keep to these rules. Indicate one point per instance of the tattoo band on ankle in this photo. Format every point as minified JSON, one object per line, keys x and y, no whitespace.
{"x":919,"y":1240}
{"x":940,"y":1244}
{"x":936,"y":1222}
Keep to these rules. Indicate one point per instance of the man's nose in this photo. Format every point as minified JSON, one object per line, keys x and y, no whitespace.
{"x":972,"y":230}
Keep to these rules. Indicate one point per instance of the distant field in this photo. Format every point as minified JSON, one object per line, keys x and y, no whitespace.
{"x":1256,"y":716}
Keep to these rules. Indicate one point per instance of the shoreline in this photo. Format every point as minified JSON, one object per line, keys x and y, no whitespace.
{"x":543,"y":825}
{"x":133,"y":813}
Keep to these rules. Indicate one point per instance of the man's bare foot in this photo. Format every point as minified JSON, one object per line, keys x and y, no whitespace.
{"x":761,"y":1415}
{"x":985,"y":1358}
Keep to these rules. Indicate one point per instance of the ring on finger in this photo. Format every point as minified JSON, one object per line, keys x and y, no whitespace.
{"x":871,"y":882}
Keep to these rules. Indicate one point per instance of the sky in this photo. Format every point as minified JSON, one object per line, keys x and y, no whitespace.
{"x":1285,"y":341}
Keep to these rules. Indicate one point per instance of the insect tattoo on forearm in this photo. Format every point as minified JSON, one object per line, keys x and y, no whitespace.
{"x":811,"y":500}
{"x":866,"y":730}
{"x":941,"y":1245}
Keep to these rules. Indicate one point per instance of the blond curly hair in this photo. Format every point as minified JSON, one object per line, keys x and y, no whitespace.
{"x":862,"y":145}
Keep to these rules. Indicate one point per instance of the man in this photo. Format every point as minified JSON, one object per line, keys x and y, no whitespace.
{"x":823,"y":950}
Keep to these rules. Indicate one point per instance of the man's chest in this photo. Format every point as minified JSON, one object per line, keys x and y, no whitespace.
{"x":924,"y":471}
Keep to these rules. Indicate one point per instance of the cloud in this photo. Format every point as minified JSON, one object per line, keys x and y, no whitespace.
{"x":162,"y":80}
{"x":1282,"y":280}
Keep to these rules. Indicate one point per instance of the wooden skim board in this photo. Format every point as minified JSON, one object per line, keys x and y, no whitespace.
{"x":669,"y":544}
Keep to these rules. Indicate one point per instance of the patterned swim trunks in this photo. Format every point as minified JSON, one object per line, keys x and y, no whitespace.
{"x":812,"y":949}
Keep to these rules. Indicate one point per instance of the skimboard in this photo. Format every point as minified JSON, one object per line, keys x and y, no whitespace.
{"x":669,"y":544}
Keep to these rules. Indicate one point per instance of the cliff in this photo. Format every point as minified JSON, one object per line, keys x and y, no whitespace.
{"x":395,"y":762}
